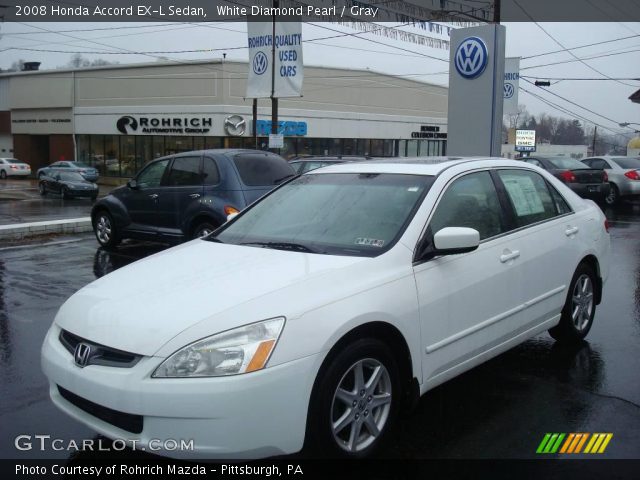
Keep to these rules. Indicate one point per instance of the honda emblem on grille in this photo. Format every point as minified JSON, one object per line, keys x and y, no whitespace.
{"x":82,"y":354}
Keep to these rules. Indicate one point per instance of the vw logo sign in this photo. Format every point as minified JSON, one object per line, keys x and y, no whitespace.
{"x":235,"y":125}
{"x":260,"y":63}
{"x":508,"y":90}
{"x":471,"y":57}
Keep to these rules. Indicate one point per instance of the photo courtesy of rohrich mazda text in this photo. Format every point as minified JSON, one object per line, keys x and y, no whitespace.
{"x":316,"y":315}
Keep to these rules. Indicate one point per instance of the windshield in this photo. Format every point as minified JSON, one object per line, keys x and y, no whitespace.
{"x":13,"y":160}
{"x":628,"y":162}
{"x":568,"y":163}
{"x":333,"y":213}
{"x":71,"y":177}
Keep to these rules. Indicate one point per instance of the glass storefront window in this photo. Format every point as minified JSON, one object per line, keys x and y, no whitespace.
{"x":377,"y":148}
{"x":144,"y":151}
{"x":402,"y":148}
{"x":128,"y":163}
{"x":349,"y":146}
{"x":198,"y":143}
{"x":389,"y":148}
{"x":96,"y":153}
{"x":412,"y":148}
{"x":177,"y":144}
{"x":364,"y":147}
{"x":213,"y":142}
{"x":158,"y":147}
{"x":111,"y":151}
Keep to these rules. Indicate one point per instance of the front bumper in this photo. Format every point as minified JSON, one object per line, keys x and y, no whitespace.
{"x":243,"y":416}
{"x":89,"y":192}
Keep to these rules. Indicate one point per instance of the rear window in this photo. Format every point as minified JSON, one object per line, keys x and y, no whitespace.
{"x":80,"y":165}
{"x":567,"y":163}
{"x":13,"y":160}
{"x":261,"y":170}
{"x":628,"y":162}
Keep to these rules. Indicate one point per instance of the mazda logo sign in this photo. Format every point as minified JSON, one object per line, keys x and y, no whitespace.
{"x":235,"y":125}
{"x":471,"y":57}
{"x":82,"y":354}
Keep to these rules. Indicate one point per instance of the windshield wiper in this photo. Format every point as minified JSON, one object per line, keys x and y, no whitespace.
{"x":296,"y":247}
{"x":278,"y":180}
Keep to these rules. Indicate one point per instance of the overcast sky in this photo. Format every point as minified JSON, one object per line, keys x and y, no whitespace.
{"x":608,"y":98}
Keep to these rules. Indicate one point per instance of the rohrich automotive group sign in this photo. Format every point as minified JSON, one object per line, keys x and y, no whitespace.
{"x":164,"y":125}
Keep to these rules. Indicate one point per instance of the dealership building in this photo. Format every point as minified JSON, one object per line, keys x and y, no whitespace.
{"x":119,"y":117}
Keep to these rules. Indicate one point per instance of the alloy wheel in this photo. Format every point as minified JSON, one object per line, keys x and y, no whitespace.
{"x":361,"y":405}
{"x":103,"y":229}
{"x":582,"y":302}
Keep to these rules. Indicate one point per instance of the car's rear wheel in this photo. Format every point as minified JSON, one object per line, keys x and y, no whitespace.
{"x":203,"y":229}
{"x":614,"y":196}
{"x":3,"y":174}
{"x":105,"y":230}
{"x":42,"y":189}
{"x":580,"y":307}
{"x":355,"y":401}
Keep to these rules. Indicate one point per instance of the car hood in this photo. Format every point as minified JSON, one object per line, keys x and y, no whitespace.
{"x":80,"y":184}
{"x":142,"y":306}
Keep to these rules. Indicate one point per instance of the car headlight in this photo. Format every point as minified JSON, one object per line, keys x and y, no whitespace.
{"x":241,"y":350}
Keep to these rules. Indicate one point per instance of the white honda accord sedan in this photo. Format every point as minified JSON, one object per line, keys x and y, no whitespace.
{"x":313,"y":317}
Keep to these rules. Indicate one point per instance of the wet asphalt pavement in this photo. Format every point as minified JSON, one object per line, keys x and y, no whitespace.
{"x":501,"y":409}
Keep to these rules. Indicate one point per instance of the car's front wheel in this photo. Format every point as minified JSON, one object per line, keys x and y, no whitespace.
{"x":105,"y":230}
{"x":203,"y":229}
{"x":3,"y":174}
{"x":579,"y":308}
{"x":355,"y":401}
{"x":614,"y":196}
{"x":42,"y":189}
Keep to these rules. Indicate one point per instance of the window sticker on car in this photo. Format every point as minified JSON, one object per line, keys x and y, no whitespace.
{"x":523,"y":194}
{"x":370,"y":242}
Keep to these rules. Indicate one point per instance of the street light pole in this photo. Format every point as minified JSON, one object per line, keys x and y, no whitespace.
{"x":274,"y":99}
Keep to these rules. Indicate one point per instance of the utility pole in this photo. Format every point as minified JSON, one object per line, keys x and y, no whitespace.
{"x":274,"y":100}
{"x":496,"y":11}
{"x":593,"y":148}
{"x":255,"y":123}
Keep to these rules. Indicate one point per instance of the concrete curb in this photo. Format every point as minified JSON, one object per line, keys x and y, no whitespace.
{"x":23,"y":230}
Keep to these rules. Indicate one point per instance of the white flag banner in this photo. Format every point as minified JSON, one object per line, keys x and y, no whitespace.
{"x":289,"y":71}
{"x":511,"y":85}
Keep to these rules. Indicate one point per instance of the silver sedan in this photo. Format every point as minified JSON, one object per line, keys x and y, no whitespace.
{"x":624,"y":176}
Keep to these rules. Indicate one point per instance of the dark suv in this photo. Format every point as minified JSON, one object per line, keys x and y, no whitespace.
{"x":187,"y":195}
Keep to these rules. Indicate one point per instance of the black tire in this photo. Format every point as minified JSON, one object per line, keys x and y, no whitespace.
{"x":42,"y":189}
{"x":65,"y":193}
{"x":579,"y":308}
{"x":94,"y":198}
{"x":323,"y":437}
{"x":40,"y":175}
{"x":105,"y":230}
{"x":613,"y":198}
{"x":202,"y":229}
{"x":3,"y":175}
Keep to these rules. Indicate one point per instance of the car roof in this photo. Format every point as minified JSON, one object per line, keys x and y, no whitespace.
{"x":413,"y":165}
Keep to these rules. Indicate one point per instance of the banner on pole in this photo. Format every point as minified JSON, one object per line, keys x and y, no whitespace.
{"x":289,"y":71}
{"x":511,"y":85}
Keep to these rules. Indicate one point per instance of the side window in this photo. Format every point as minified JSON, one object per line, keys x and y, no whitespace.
{"x":210,"y":172}
{"x":185,"y":171}
{"x":596,"y":163}
{"x":151,"y":176}
{"x":561,"y":204}
{"x":605,"y":165}
{"x":589,"y":163}
{"x":535,"y":162}
{"x":470,"y":201}
{"x":529,"y":196}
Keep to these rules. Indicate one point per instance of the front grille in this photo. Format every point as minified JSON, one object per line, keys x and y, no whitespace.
{"x":125,"y":421}
{"x":100,"y":354}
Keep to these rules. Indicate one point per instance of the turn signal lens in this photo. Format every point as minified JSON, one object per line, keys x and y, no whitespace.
{"x":605,"y":177}
{"x":606,"y":225}
{"x":632,"y":174}
{"x":228,"y":210}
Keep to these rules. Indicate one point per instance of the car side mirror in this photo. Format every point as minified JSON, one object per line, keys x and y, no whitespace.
{"x":454,"y":240}
{"x":132,"y":184}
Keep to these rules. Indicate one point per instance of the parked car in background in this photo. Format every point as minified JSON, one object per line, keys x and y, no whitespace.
{"x":587,"y":182}
{"x":67,"y":185}
{"x":187,"y":195}
{"x":320,"y":312}
{"x":12,"y":167}
{"x":87,"y":172}
{"x":624,"y":176}
{"x":307,"y":163}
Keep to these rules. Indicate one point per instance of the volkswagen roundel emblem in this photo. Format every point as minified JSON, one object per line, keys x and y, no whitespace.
{"x":260,"y":63}
{"x":471,"y":57}
{"x":508,"y":90}
{"x":235,"y":125}
{"x":82,"y":354}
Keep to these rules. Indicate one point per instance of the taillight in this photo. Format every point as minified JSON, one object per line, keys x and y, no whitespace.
{"x":632,"y":174}
{"x":605,"y":177}
{"x":567,"y":176}
{"x":228,"y":210}
{"x":606,"y":225}
{"x":13,"y":167}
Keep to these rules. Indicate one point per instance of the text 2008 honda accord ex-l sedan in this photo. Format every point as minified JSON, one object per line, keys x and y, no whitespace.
{"x":310,"y":318}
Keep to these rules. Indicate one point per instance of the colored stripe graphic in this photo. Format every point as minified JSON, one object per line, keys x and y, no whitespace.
{"x":574,"y":443}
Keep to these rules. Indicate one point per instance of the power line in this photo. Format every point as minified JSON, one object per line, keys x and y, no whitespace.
{"x":561,"y":79}
{"x":580,"y":46}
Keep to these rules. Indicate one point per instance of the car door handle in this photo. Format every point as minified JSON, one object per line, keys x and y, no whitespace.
{"x":195,"y":195}
{"x":504,"y":258}
{"x":571,"y":231}
{"x":153,"y":196}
